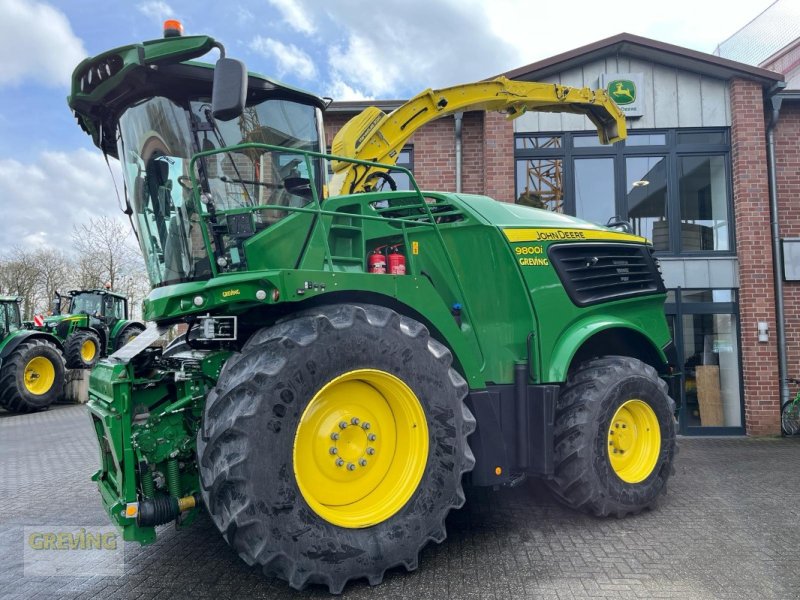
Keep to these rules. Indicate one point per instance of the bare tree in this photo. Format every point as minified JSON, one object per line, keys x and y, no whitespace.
{"x":104,"y":249}
{"x":107,"y":255}
{"x":55,"y":274}
{"x":19,"y":275}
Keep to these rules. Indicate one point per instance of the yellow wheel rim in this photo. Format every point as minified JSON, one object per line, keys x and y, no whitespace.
{"x":39,"y":375}
{"x":634,"y":441}
{"x":360,"y":448}
{"x":88,"y":350}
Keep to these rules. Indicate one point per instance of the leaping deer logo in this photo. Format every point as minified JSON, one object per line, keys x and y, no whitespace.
{"x":623,"y":92}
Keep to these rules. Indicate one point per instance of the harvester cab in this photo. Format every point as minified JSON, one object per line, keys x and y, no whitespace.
{"x":31,"y":365}
{"x":96,"y":323}
{"x":351,"y":353}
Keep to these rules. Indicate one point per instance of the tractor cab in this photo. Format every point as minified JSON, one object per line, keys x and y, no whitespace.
{"x":10,"y":319}
{"x":191,"y":140}
{"x":99,"y":304}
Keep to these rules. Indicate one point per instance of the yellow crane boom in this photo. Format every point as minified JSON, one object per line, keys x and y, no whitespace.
{"x":375,"y":136}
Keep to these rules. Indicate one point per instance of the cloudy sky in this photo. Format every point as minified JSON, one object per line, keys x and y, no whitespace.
{"x":51,"y":177}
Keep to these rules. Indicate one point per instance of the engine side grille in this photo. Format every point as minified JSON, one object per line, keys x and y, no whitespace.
{"x":593,"y":273}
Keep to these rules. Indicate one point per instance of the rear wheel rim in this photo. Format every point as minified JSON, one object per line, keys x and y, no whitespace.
{"x":360,"y":448}
{"x":88,"y":350}
{"x":634,"y":441}
{"x":39,"y":375}
{"x":791,"y":418}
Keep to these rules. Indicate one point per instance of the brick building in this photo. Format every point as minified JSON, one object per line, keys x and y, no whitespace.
{"x":693,"y":177}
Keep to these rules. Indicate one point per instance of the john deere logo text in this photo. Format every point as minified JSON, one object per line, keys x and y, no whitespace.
{"x":622,"y":91}
{"x":229,"y":293}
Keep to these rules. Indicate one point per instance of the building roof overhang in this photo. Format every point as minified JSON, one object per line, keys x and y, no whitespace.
{"x":645,"y":49}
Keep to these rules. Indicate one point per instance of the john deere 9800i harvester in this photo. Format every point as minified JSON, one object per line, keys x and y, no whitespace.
{"x":352,"y":357}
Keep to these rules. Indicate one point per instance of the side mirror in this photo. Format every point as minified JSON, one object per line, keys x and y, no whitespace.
{"x":620,"y":224}
{"x":230,"y":89}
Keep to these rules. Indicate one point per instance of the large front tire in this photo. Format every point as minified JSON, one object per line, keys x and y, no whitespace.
{"x":334,"y":445}
{"x":82,"y":349}
{"x":615,"y":437}
{"x":32,"y":377}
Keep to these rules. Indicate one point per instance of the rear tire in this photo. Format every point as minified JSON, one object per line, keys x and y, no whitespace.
{"x":267,"y":498}
{"x":615,"y":437}
{"x":82,"y":349}
{"x":128,"y":335}
{"x":32,"y":377}
{"x":790,"y":418}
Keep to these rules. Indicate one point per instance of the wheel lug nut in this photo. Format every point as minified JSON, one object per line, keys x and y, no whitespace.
{"x":333,"y":450}
{"x":343,"y":425}
{"x":334,"y":436}
{"x":372,"y":437}
{"x":355,"y":421}
{"x":339,"y":462}
{"x":370,"y":451}
{"x":365,"y":425}
{"x":616,"y":425}
{"x":351,"y":467}
{"x":363,"y":462}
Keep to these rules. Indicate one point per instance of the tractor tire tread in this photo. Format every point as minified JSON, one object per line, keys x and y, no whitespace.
{"x":227,"y":491}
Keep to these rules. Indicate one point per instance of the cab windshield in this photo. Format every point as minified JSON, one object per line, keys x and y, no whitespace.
{"x":159,"y":136}
{"x":86,"y":304}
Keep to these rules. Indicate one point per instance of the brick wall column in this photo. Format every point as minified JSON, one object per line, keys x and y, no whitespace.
{"x":754,"y":250}
{"x":498,"y":157}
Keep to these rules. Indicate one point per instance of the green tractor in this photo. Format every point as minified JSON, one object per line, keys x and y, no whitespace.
{"x":31,"y":365}
{"x":352,"y":359}
{"x":96,"y":325}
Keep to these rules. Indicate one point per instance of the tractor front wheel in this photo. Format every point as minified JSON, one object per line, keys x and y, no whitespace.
{"x":334,"y":445}
{"x":82,"y":349}
{"x":615,"y":437}
{"x":32,"y":377}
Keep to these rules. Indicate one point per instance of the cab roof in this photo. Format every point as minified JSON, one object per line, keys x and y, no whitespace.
{"x":103,"y":86}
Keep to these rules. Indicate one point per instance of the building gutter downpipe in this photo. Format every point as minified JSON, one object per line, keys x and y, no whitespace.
{"x":458,"y":122}
{"x":775,"y":99}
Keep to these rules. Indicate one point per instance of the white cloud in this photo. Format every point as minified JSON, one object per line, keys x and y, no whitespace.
{"x":340,"y":91}
{"x":401,"y":53}
{"x":42,"y":200}
{"x":157,"y":10}
{"x":295,"y":15}
{"x":538,"y":34}
{"x":36,"y":42}
{"x":288,"y":57}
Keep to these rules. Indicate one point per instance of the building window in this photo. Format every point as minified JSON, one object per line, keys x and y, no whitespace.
{"x":405,"y":159}
{"x":594,"y":189}
{"x":703,"y":203}
{"x":646,"y":198}
{"x":540,"y":184}
{"x":672,"y":185}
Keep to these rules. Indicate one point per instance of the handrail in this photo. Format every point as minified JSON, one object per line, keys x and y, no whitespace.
{"x":317,"y":203}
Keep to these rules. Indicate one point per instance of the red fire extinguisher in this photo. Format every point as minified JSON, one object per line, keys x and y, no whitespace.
{"x":397,"y":262}
{"x":376,"y":262}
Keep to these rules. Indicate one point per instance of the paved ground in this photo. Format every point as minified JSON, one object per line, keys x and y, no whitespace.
{"x":728,"y":528}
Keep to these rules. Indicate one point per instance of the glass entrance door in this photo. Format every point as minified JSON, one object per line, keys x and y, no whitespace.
{"x":704,"y":325}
